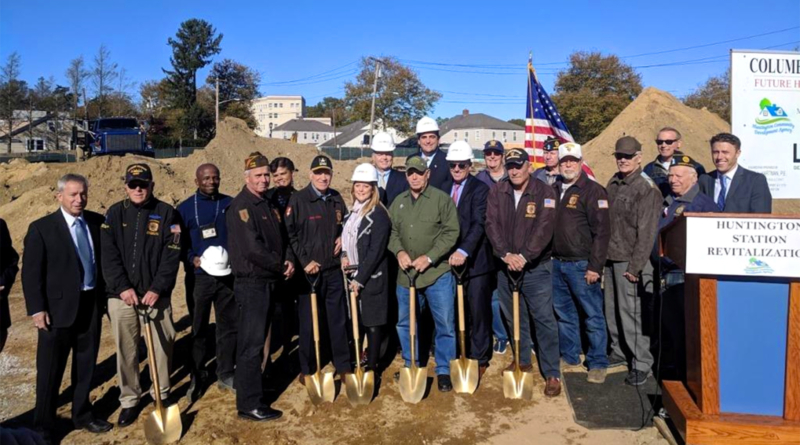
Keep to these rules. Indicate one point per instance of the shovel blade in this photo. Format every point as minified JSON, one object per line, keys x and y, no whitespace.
{"x":413,"y":383}
{"x":320,"y":387}
{"x":518,"y":385}
{"x":360,"y":388}
{"x":163,"y":427}
{"x":464,"y":375}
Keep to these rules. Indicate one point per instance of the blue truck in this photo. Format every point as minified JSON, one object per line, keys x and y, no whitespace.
{"x":116,"y":136}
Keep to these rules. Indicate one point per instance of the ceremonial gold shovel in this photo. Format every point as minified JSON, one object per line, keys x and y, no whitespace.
{"x":413,"y":380}
{"x":163,"y":425}
{"x":360,"y":385}
{"x":319,"y":385}
{"x":463,"y":371}
{"x":517,"y":384}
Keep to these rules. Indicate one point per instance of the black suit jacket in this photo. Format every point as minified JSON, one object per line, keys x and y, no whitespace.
{"x":748,"y":192}
{"x":440,"y":171}
{"x":471,"y":221}
{"x":9,"y":258}
{"x":51,"y":268}
{"x":395,"y":185}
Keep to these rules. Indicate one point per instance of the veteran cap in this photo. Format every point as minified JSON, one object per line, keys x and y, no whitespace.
{"x":255,"y":160}
{"x":683,"y":161}
{"x":627,"y":145}
{"x":138,"y":172}
{"x":551,"y":144}
{"x":416,"y":163}
{"x":494,"y":145}
{"x":516,"y":156}
{"x":321,"y":163}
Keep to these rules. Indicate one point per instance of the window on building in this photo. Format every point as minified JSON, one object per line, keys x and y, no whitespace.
{"x":466,"y":136}
{"x":281,"y":104}
{"x":270,"y":105}
{"x":455,"y":135}
{"x":297,"y":115}
{"x":494,"y":136}
{"x":35,"y":144}
{"x":504,"y":136}
{"x":478,"y":135}
{"x":514,"y":133}
{"x":305,"y":136}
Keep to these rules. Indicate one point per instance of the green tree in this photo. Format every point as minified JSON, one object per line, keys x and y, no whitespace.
{"x":330,"y":107}
{"x":13,"y":94}
{"x":103,"y":73}
{"x":401,"y":99}
{"x":238,"y":87}
{"x":592,"y":91}
{"x":520,"y":122}
{"x":714,"y":95}
{"x":195,"y":43}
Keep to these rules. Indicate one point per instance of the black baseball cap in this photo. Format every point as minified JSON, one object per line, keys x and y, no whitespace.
{"x":684,"y":161}
{"x":138,"y":172}
{"x":321,"y":163}
{"x":516,"y":156}
{"x":551,"y":144}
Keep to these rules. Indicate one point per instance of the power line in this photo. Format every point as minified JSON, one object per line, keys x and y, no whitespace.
{"x":310,"y":77}
{"x":711,"y":44}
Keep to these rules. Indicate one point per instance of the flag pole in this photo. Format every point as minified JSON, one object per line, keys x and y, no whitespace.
{"x":532,"y":75}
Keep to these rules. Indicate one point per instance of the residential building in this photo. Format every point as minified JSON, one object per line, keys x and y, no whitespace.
{"x":353,"y":135}
{"x":273,"y":111}
{"x":477,"y":129}
{"x":303,"y":131}
{"x":41,"y":131}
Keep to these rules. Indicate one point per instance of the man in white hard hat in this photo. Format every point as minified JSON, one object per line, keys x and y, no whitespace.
{"x":473,"y":251}
{"x":390,"y":181}
{"x":203,"y":216}
{"x":428,"y":139}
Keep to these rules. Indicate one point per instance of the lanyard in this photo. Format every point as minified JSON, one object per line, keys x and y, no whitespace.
{"x":197,"y":218}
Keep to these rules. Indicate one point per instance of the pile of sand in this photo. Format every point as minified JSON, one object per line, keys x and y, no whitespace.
{"x":651,"y":111}
{"x":27,"y":190}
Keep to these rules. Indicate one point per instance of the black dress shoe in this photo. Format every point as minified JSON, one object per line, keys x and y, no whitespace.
{"x":196,"y":386}
{"x":97,"y":426}
{"x":261,"y":414}
{"x":445,"y":384}
{"x":127,"y":416}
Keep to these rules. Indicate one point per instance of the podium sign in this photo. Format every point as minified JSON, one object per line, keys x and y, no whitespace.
{"x":764,"y":247}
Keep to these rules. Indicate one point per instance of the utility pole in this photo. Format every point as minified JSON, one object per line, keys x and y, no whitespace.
{"x":216,"y":106}
{"x":378,"y":64}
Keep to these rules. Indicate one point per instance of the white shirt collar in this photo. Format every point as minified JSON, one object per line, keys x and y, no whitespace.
{"x":731,"y":172}
{"x":70,"y":219}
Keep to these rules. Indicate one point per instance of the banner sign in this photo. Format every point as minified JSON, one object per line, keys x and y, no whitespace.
{"x":765,"y":115}
{"x":743,"y":247}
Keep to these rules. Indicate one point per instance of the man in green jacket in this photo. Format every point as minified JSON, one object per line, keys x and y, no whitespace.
{"x":424,"y":233}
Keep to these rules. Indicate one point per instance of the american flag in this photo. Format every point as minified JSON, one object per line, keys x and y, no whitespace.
{"x":542,"y":120}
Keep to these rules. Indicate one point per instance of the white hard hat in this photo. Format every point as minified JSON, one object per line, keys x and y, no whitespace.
{"x":365,"y":173}
{"x":215,"y":261}
{"x":570,"y":149}
{"x":459,"y":151}
{"x":383,"y":142}
{"x":427,"y":125}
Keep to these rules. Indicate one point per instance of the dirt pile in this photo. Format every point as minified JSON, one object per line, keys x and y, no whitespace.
{"x":651,"y":111}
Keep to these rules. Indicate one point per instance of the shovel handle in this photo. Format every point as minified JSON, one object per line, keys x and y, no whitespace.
{"x":412,"y":313}
{"x":151,"y":356}
{"x":516,"y":315}
{"x":354,"y":317}
{"x":461,"y":322}
{"x":314,"y":316}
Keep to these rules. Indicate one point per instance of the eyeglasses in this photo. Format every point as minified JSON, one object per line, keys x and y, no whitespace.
{"x":619,"y":156}
{"x":461,"y":165}
{"x":488,"y":154}
{"x":414,"y":172}
{"x":666,"y":141}
{"x":133,"y":185}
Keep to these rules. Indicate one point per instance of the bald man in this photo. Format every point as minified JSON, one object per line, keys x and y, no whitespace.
{"x":205,"y":254}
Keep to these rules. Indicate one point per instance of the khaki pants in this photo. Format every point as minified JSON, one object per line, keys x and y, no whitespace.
{"x":127,"y":326}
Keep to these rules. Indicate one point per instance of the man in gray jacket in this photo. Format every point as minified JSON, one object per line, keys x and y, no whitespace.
{"x":635,"y":201}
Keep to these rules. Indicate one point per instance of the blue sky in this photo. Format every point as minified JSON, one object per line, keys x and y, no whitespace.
{"x":293,"y":40}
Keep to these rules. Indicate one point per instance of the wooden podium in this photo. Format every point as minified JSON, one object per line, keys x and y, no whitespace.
{"x":742,"y":329}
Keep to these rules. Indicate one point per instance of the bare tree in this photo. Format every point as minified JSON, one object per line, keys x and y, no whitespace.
{"x":76,"y":75}
{"x":123,"y":96}
{"x":104,"y":73}
{"x":12,"y":93}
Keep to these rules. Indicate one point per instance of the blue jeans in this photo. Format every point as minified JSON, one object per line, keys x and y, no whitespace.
{"x":440,"y":297}
{"x":535,"y":300}
{"x":569,"y":286}
{"x":498,"y":327}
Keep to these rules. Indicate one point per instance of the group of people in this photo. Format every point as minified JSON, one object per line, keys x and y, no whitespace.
{"x":582,"y":256}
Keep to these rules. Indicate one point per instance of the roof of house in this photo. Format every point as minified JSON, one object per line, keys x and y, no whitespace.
{"x":476,"y":120}
{"x":346,"y":133}
{"x":303,"y":125}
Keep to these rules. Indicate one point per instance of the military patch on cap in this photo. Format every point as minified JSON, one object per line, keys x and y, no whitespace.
{"x":138,"y":172}
{"x":321,"y":162}
{"x":551,"y":144}
{"x":516,"y":156}
{"x":684,"y":161}
{"x":255,"y":160}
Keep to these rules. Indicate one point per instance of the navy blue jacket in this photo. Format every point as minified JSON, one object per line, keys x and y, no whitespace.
{"x":471,"y":221}
{"x":395,"y":185}
{"x":748,"y":192}
{"x":440,"y":171}
{"x":206,"y":208}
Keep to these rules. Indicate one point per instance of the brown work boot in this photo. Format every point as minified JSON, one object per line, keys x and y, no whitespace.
{"x":482,"y":370}
{"x":302,"y":379}
{"x":553,"y":387}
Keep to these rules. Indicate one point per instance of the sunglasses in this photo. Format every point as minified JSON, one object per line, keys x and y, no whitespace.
{"x":414,"y":172}
{"x":666,"y":141}
{"x":133,"y":185}
{"x":619,"y":156}
{"x":461,"y":165}
{"x":488,"y":154}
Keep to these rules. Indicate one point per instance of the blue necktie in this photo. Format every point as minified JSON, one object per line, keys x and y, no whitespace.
{"x":85,"y":253}
{"x":722,"y":190}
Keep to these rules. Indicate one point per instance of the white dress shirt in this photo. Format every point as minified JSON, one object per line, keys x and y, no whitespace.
{"x":728,"y":182}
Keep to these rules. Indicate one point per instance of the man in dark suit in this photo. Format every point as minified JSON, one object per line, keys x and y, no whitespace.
{"x":63,"y":291}
{"x":734,"y":188}
{"x":390,"y":181}
{"x":472,"y":250}
{"x":428,"y":139}
{"x":8,"y":272}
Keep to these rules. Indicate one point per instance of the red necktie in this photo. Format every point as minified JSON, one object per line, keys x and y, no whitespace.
{"x":455,"y":193}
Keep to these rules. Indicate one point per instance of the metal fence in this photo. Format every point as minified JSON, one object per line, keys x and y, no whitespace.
{"x":39,"y":157}
{"x":350,"y":153}
{"x":182,"y":152}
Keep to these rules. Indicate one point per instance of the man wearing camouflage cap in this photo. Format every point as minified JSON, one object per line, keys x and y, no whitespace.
{"x":549,"y":173}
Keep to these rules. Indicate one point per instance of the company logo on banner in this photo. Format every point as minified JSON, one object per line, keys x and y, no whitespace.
{"x":772,"y":119}
{"x":743,"y":247}
{"x":765,"y":93}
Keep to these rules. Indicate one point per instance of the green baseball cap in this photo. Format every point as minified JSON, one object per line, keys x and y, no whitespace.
{"x":416,"y":163}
